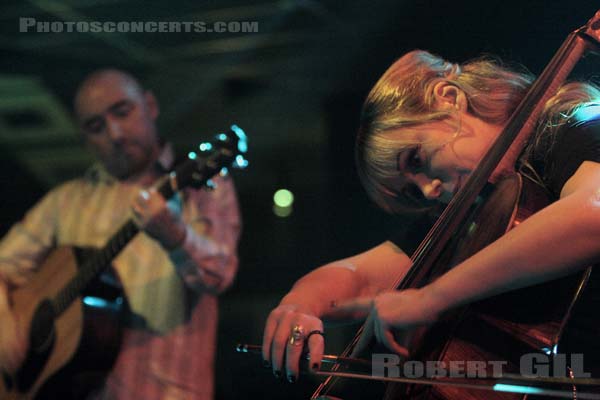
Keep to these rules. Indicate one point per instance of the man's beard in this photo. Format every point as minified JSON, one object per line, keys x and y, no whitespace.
{"x":123,"y":165}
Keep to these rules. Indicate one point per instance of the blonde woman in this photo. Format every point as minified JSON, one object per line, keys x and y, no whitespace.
{"x":424,"y":127}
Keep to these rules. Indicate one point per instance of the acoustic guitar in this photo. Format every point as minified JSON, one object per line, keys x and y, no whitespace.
{"x":50,"y":308}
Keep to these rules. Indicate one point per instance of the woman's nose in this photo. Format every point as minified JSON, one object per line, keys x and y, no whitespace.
{"x":431,"y":188}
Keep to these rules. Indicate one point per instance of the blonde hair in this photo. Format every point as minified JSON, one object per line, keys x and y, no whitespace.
{"x":403,"y":98}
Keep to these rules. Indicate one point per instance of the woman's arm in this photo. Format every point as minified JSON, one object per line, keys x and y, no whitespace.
{"x":556,"y":241}
{"x":313,"y":296}
{"x":364,"y":274}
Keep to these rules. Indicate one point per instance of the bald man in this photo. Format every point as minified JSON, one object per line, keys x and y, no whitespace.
{"x":170,"y":274}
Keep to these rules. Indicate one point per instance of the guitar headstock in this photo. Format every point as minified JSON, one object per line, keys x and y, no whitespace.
{"x":226,"y":150}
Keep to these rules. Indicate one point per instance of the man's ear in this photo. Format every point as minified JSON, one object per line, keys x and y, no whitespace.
{"x":152,"y":104}
{"x":448,"y":96}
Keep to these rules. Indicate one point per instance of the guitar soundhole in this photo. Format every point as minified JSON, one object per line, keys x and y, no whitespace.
{"x":42,"y":327}
{"x":41,"y":342}
{"x":8,"y":382}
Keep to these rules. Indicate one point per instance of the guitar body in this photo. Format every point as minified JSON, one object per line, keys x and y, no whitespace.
{"x":53,"y":342}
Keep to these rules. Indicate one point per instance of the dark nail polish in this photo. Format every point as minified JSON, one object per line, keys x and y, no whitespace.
{"x":315,"y":367}
{"x":266,"y":364}
{"x":291,"y":379}
{"x":277,"y":374}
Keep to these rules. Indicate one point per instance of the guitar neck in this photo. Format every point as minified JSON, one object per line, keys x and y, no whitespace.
{"x":93,"y":266}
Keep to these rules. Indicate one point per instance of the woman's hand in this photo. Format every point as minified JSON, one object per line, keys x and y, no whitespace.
{"x":395,"y":310}
{"x":284,"y":323}
{"x":152,"y":215}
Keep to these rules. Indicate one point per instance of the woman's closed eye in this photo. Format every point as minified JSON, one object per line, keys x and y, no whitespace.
{"x":411,"y":159}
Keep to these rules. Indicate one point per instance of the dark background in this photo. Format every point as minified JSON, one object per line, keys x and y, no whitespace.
{"x":295,"y":86}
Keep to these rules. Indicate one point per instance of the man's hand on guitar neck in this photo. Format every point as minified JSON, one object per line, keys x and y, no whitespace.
{"x":152,"y":215}
{"x":12,"y":342}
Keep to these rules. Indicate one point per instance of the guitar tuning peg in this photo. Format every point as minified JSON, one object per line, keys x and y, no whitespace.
{"x":206,"y":146}
{"x":224,"y":172}
{"x":210,"y":185}
{"x":240,"y":162}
